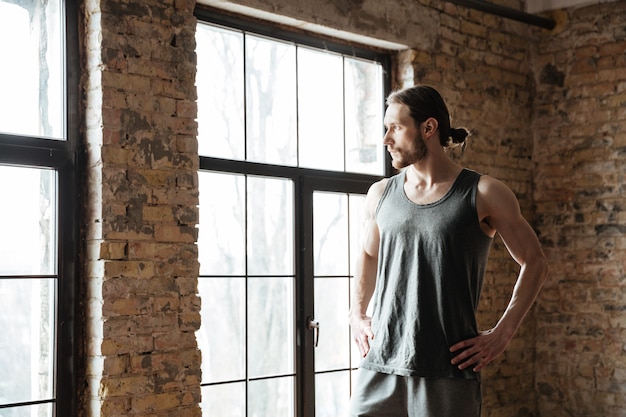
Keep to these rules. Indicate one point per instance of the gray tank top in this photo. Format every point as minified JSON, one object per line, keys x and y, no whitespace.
{"x":432,"y":259}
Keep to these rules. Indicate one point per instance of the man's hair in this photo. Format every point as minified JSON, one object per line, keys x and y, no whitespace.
{"x":423,"y":102}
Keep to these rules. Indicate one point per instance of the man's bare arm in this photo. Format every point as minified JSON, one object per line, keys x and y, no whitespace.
{"x":365,"y":274}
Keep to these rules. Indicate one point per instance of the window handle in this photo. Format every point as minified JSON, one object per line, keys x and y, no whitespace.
{"x":314,"y":325}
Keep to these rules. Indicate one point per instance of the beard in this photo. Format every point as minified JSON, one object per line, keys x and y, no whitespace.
{"x":405,"y":157}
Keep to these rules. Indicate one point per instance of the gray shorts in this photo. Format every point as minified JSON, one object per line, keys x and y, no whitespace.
{"x":383,"y":395}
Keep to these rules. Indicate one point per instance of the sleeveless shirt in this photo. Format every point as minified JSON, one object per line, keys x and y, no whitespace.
{"x":432,"y":259}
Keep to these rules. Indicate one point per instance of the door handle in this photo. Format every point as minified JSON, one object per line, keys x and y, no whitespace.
{"x":314,"y":325}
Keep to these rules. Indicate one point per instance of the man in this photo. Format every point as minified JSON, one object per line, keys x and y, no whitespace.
{"x":428,"y":234}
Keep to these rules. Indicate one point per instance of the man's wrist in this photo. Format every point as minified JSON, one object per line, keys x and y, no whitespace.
{"x":356,"y":314}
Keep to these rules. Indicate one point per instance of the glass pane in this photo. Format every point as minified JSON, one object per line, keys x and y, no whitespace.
{"x":320,"y":110}
{"x":271,"y":101}
{"x":270,"y":226}
{"x":27,"y":221}
{"x":39,"y":410}
{"x":27,"y":342}
{"x":357,"y":219}
{"x":364,"y":117}
{"x":228,"y":400}
{"x":331,"y":311}
{"x":355,"y":355}
{"x":222,"y":337}
{"x":270,"y":326}
{"x":220,"y":85}
{"x":221,"y":234}
{"x":330,"y":234}
{"x":272,"y":397}
{"x":32,"y":100}
{"x":332,"y":394}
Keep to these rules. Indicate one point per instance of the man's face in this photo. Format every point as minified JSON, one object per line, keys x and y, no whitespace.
{"x":403,"y":139}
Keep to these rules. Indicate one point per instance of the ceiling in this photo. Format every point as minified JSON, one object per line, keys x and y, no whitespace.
{"x":537,"y":6}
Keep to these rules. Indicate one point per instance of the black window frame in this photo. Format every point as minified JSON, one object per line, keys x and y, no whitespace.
{"x":62,"y":156}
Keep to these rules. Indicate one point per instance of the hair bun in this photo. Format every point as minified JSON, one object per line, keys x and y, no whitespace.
{"x":459,"y":135}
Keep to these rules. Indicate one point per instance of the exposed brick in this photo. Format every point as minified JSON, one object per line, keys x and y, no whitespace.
{"x":155,"y":402}
{"x":588,"y":271}
{"x":145,"y":101}
{"x":473,"y":29}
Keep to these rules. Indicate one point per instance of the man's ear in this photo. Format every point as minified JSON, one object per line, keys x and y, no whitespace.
{"x":429,"y":127}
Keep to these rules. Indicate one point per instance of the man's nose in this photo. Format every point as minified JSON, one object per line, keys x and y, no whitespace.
{"x":387,"y":138}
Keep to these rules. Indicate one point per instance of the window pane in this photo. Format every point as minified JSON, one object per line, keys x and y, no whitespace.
{"x":228,"y":400}
{"x":272,"y":397}
{"x":27,"y":342}
{"x":331,"y":310}
{"x":221,"y":235}
{"x":219,"y":81}
{"x":332,"y":394}
{"x":270,"y":327}
{"x":303,"y":106}
{"x":222,"y":337}
{"x":356,"y":223}
{"x":320,"y":110}
{"x":27,"y":221}
{"x":271,"y":101}
{"x":270,"y":226}
{"x":364,"y":117}
{"x":32,"y":99}
{"x":330,"y":234}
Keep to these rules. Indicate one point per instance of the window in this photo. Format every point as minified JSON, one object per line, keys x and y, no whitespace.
{"x":32,"y":99}
{"x":37,"y":214}
{"x":276,"y":102}
{"x":290,"y":139}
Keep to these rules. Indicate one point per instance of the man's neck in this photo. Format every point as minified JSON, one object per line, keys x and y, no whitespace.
{"x":431,"y":171}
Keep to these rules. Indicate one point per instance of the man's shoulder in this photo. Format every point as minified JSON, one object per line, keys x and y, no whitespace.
{"x":494,"y":191}
{"x":488,"y":184}
{"x":378,"y":188}
{"x":375,"y":193}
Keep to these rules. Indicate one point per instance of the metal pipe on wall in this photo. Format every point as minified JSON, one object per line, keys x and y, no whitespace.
{"x":509,"y":13}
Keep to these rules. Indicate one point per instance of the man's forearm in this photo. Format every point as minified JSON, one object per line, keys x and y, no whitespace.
{"x":365,"y":285}
{"x":527,"y":287}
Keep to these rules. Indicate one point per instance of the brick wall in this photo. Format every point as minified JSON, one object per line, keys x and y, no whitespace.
{"x":580,"y":141}
{"x":141,"y":357}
